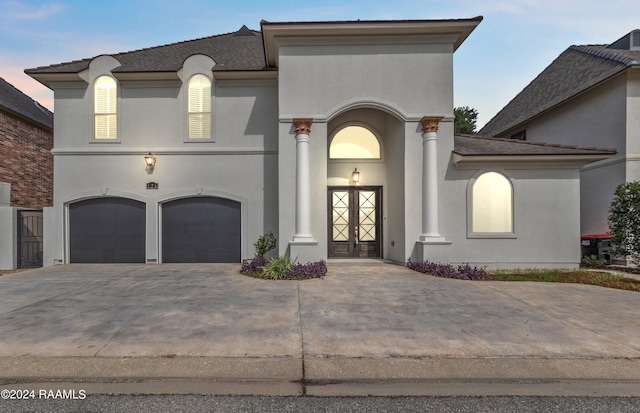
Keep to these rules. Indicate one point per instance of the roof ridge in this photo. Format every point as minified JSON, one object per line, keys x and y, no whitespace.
{"x":627,"y":61}
{"x":548,"y":144}
{"x":243,"y":29}
{"x":35,"y":102}
{"x":18,"y":102}
{"x":181,"y":42}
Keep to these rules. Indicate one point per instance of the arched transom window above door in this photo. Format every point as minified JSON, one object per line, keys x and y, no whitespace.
{"x":354,"y":142}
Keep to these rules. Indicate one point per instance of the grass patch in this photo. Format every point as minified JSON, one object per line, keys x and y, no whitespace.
{"x":599,"y":278}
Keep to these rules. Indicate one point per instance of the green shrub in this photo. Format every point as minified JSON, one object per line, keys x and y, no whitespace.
{"x":593,"y":261}
{"x":277,"y":268}
{"x":624,"y":221}
{"x":265,"y":243}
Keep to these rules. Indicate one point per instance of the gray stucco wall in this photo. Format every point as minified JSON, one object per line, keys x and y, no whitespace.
{"x":351,"y":81}
{"x":239,"y":163}
{"x":546,"y":227}
{"x":608,"y":116}
{"x":317,"y":80}
{"x":8,"y":238}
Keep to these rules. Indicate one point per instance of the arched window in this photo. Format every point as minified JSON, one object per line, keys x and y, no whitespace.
{"x":492,"y":204}
{"x":105,"y":108}
{"x":354,"y":142}
{"x":199,"y":107}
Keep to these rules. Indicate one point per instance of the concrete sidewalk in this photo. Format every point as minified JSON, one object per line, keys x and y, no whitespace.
{"x":364,"y":329}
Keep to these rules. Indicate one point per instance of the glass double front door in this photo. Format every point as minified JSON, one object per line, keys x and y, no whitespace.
{"x":355,"y":222}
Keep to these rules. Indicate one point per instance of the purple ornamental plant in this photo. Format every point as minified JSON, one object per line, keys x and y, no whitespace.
{"x":461,"y":272}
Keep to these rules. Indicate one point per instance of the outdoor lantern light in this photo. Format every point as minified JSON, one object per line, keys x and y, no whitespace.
{"x":150,"y":160}
{"x":355,"y":175}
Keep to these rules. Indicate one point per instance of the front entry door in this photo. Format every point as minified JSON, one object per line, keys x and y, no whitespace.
{"x":354,"y":222}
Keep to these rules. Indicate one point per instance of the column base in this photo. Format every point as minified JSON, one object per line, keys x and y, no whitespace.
{"x":304,"y":250}
{"x":302,"y":238}
{"x":433,"y":239}
{"x":433,"y":250}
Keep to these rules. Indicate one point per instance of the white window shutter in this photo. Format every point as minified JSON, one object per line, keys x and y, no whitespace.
{"x":106,"y":118}
{"x":199,"y":107}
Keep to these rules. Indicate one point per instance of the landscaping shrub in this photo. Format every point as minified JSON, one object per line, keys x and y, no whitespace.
{"x":277,"y":267}
{"x":253,"y":266}
{"x":593,"y":261}
{"x":461,"y":272}
{"x":306,"y":271}
{"x":265,"y":243}
{"x":282,"y":268}
{"x":624,"y":221}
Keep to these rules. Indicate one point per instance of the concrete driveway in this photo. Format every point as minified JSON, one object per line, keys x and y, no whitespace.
{"x":384,"y":316}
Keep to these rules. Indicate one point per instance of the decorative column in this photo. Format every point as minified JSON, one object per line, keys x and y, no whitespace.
{"x":303,"y":193}
{"x":430,"y":179}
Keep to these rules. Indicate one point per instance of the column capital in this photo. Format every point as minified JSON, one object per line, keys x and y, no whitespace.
{"x":303,"y":125}
{"x":430,"y":123}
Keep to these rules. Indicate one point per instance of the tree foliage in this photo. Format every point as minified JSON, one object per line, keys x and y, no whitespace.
{"x":465,"y":120}
{"x":624,"y":221}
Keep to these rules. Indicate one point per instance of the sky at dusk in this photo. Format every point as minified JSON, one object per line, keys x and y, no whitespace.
{"x":515,"y":42}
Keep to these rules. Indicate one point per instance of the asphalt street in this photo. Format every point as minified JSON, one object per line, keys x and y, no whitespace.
{"x":231,"y":404}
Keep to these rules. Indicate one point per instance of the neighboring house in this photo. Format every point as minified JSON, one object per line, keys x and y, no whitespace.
{"x":336,"y":136}
{"x":588,"y":96}
{"x":26,"y":176}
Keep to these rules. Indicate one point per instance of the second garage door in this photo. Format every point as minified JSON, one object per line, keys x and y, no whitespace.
{"x":201,"y":229}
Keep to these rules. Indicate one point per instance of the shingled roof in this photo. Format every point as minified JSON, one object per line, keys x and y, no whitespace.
{"x":18,"y":104}
{"x":577,"y":69}
{"x":244,"y":50}
{"x":468,"y":145}
{"x":240,"y":50}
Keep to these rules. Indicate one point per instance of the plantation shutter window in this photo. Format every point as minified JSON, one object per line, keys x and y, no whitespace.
{"x":199,"y":107}
{"x":105,"y":111}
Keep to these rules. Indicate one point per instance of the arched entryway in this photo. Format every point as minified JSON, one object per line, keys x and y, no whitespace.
{"x":366,"y":144}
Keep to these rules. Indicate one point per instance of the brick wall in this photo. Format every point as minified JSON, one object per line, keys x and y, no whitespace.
{"x":26,"y":162}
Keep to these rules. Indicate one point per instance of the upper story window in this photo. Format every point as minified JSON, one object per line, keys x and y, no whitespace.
{"x":491,"y":205}
{"x":354,"y":142}
{"x":199,"y":107}
{"x":105,"y":108}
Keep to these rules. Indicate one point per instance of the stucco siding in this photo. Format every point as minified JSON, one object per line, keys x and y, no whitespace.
{"x":237,"y":177}
{"x":546,"y":226}
{"x":240,"y":163}
{"x":597,"y":187}
{"x":596,"y":118}
{"x":305,"y":72}
{"x":633,"y":117}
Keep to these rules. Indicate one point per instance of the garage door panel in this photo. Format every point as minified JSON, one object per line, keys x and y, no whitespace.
{"x":201,"y":229}
{"x":107,"y":230}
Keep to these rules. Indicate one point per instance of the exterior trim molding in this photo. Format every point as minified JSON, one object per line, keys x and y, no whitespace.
{"x":163,"y":151}
{"x":525,"y":161}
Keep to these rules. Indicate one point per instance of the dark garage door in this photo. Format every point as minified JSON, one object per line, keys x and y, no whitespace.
{"x":107,"y":230}
{"x":201,"y":229}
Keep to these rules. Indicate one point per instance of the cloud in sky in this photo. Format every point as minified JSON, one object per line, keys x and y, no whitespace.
{"x":28,"y":10}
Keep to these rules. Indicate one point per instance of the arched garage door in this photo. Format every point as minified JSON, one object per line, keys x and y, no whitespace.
{"x":201,"y":229}
{"x":107,"y":230}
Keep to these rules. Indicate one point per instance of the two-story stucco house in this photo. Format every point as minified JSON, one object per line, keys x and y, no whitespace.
{"x":336,"y":136}
{"x":589,"y":96}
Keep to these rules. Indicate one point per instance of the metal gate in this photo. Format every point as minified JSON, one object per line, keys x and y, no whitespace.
{"x":29,"y":239}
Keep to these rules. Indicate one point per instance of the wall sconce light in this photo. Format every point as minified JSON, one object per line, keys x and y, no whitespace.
{"x":355,"y":176}
{"x":150,"y":160}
